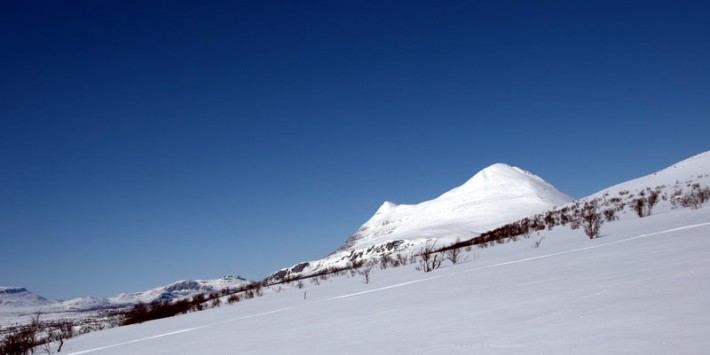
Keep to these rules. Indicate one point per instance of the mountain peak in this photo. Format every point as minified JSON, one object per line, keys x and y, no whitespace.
{"x":386,"y":206}
{"x":495,"y":195}
{"x":498,"y":174}
{"x":504,"y":179}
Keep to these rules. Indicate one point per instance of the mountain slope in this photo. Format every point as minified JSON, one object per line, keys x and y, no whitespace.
{"x":494,"y":196}
{"x":680,"y":175}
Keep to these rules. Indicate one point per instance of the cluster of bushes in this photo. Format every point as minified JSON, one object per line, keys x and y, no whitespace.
{"x":694,"y":198}
{"x":142,"y":312}
{"x":38,"y":335}
{"x":589,"y":215}
{"x":643,"y":205}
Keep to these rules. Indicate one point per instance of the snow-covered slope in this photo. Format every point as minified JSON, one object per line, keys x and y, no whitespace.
{"x":640,"y":289}
{"x":681,"y":175}
{"x":494,"y":196}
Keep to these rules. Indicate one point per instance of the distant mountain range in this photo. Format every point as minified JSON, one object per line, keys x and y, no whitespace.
{"x":20,"y":297}
{"x":20,"y":300}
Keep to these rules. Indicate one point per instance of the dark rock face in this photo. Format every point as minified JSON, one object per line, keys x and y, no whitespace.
{"x":14,"y":290}
{"x":299,"y":267}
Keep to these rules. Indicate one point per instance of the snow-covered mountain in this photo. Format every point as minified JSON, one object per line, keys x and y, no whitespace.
{"x":494,"y":196}
{"x":16,"y":302}
{"x":15,"y":297}
{"x":175,"y":290}
{"x":179,"y":289}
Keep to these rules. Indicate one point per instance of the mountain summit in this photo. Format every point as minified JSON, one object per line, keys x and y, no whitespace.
{"x":505,"y":179}
{"x":494,"y":196}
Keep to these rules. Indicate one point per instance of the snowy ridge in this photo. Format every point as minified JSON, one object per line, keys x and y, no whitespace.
{"x":695,"y":169}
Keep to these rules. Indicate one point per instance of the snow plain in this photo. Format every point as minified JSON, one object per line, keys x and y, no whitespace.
{"x":642,"y":288}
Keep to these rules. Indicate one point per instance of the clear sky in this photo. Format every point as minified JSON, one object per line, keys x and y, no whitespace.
{"x":144,"y":142}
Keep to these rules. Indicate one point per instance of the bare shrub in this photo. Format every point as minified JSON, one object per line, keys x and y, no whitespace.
{"x":428,"y":259}
{"x":454,"y":254}
{"x":694,"y":198}
{"x":62,"y":331}
{"x":197,"y":302}
{"x":233,"y":299}
{"x":640,"y":207}
{"x":401,"y":259}
{"x":643,"y":206}
{"x":365,"y":271}
{"x":651,"y":200}
{"x":24,"y":339}
{"x":591,"y":220}
{"x":385,"y":261}
{"x":355,"y":264}
{"x":536,"y":244}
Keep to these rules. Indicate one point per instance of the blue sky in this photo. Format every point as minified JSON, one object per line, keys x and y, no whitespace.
{"x":147,"y":142}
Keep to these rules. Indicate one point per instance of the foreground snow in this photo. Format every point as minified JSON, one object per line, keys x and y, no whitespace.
{"x":641,"y":288}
